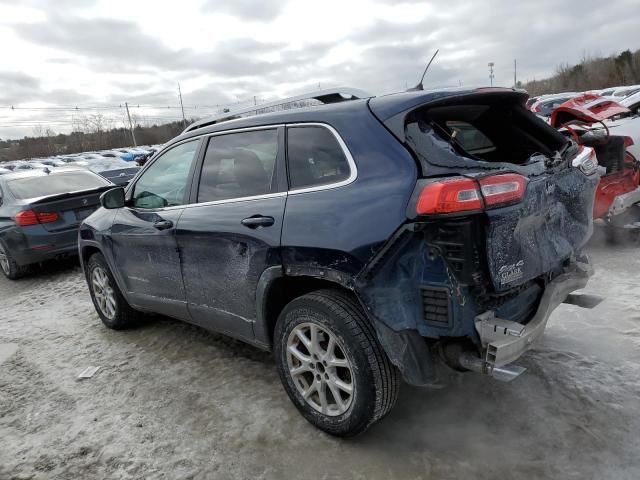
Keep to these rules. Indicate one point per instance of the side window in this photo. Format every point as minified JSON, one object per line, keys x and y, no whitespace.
{"x":238,"y":165}
{"x":470,"y":138}
{"x":164,"y":184}
{"x":314,"y":157}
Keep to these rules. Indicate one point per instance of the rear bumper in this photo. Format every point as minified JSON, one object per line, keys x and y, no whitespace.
{"x":504,"y":341}
{"x":29,"y":249}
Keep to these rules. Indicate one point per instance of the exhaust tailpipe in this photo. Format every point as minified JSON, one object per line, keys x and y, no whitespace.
{"x":506,"y":373}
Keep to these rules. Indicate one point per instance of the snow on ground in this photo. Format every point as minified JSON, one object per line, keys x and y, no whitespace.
{"x":174,"y":401}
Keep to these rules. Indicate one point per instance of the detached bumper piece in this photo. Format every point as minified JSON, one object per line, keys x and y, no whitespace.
{"x":504,"y":341}
{"x":622,"y":202}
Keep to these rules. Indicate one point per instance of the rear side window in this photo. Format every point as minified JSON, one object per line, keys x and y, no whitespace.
{"x":238,"y":165}
{"x":55,"y":184}
{"x":314,"y":157}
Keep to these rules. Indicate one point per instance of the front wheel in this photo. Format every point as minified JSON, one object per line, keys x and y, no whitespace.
{"x":112,"y":307}
{"x":332,"y":365}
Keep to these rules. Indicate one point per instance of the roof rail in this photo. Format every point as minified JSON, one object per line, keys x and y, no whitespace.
{"x":327,"y":95}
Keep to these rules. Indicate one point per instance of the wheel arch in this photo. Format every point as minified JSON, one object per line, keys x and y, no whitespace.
{"x":87,"y":249}
{"x":276,"y":288}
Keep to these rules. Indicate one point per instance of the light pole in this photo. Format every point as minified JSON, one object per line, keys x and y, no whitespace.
{"x":491,"y":76}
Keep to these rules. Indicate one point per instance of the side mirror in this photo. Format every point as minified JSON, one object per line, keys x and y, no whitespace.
{"x":113,"y":198}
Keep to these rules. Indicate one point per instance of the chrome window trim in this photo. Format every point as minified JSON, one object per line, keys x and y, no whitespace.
{"x":353,"y":169}
{"x":245,"y":129}
{"x":235,"y":200}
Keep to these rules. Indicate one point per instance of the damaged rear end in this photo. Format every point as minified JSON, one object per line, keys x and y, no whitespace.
{"x":492,"y":244}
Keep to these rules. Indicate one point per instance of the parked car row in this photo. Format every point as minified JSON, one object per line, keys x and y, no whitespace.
{"x":118,"y":165}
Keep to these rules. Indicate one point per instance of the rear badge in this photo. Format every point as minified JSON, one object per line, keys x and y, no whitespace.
{"x":85,"y":201}
{"x":551,"y":188}
{"x":510,"y":273}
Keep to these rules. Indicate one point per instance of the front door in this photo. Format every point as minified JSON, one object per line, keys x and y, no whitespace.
{"x":231,"y":233}
{"x":144,"y":232}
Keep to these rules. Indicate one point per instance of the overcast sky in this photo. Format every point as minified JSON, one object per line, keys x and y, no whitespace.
{"x":90,"y":53}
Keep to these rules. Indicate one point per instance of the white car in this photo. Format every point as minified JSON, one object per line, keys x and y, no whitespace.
{"x":619,"y":93}
{"x":632,"y":102}
{"x":630,"y":127}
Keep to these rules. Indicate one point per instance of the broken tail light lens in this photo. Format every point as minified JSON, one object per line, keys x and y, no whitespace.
{"x":501,"y":190}
{"x":465,"y":194}
{"x":449,"y":196}
{"x":29,"y":218}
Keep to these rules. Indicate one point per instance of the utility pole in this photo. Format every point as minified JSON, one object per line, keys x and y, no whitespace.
{"x":133,"y":135}
{"x":255,"y":101}
{"x":184,"y":120}
{"x":515,"y":76}
{"x":491,"y":76}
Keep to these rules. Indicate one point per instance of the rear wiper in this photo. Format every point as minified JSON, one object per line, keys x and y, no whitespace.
{"x":452,"y":140}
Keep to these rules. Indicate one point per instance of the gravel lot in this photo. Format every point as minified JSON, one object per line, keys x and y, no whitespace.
{"x":174,"y":401}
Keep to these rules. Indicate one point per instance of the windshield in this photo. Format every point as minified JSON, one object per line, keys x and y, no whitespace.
{"x":48,"y":185}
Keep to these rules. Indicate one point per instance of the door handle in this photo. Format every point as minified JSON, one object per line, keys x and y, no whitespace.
{"x":258,"y":221}
{"x":163,"y":225}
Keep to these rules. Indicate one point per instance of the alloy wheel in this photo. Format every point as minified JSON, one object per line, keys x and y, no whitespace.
{"x":103,"y":292}
{"x":320,"y":370}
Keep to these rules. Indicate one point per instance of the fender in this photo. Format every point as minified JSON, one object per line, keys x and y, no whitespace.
{"x":85,"y":243}
{"x":271,"y":275}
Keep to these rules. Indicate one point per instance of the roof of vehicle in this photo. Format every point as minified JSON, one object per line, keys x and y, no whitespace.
{"x":631,"y":100}
{"x":324,"y":96}
{"x":384,"y":106}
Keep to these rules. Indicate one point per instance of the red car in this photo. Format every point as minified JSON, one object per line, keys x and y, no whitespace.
{"x":618,"y":194}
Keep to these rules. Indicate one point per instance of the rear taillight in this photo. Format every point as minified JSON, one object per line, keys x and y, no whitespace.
{"x":29,"y":218}
{"x":503,"y":189}
{"x":448,"y":196}
{"x":628,"y":142}
{"x":537,"y":108}
{"x":465,"y":194}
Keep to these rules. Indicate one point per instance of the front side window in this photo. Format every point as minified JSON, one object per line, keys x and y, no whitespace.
{"x":238,"y":165}
{"x":164,"y":184}
{"x":314,"y":157}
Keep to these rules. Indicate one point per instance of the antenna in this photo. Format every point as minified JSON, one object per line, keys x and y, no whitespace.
{"x":419,"y":85}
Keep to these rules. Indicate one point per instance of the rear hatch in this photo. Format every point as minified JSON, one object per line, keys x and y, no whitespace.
{"x":532,"y":208}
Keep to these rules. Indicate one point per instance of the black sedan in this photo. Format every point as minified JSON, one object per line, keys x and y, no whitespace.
{"x":40,"y":213}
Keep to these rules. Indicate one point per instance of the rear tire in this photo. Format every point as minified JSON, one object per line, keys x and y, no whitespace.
{"x":8,"y":265}
{"x":112,"y":307}
{"x":342,"y":381}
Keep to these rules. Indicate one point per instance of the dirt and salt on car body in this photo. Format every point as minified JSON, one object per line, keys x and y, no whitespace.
{"x":423,"y":225}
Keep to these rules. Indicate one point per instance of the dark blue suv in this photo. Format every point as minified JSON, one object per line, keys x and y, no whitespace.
{"x":362,"y":242}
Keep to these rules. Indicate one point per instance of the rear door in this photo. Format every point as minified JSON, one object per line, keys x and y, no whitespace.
{"x":231,"y":232}
{"x":143,"y":232}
